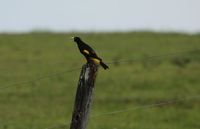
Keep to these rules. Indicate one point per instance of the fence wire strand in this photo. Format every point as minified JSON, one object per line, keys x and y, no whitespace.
{"x":18,"y":84}
{"x":168,"y":102}
{"x":152,"y":57}
{"x":21,"y":83}
{"x":143,"y":107}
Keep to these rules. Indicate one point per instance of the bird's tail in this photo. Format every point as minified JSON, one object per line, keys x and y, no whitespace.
{"x":104,"y":65}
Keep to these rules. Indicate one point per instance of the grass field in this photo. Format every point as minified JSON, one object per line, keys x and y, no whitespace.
{"x":138,"y":81}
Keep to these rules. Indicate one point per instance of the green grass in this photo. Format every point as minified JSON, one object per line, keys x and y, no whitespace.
{"x":140,"y":81}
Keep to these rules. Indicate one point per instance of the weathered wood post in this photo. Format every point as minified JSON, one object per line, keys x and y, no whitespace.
{"x":84,"y":96}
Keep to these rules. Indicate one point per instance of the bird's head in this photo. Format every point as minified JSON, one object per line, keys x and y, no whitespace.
{"x":76,"y":39}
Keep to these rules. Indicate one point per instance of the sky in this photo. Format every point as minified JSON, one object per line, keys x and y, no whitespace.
{"x":99,"y":15}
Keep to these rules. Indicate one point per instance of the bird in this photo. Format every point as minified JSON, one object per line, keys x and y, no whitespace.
{"x":89,"y":53}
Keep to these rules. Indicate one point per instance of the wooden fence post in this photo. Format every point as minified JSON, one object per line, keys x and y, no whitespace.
{"x":84,"y":96}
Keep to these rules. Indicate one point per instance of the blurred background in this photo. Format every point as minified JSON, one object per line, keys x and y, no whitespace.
{"x":152,"y":49}
{"x":95,"y":15}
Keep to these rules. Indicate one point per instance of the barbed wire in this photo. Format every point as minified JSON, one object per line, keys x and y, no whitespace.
{"x":172,"y":101}
{"x":154,"y":56}
{"x":143,"y":107}
{"x":20,"y":83}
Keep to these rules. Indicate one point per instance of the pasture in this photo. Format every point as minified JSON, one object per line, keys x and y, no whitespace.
{"x":39,"y":74}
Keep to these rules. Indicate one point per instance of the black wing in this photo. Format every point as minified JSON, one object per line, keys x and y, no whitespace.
{"x":91,"y":53}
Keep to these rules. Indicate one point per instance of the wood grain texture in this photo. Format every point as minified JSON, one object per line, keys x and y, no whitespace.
{"x":83,"y":98}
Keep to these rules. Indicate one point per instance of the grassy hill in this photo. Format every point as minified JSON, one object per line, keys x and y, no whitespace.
{"x":145,"y":68}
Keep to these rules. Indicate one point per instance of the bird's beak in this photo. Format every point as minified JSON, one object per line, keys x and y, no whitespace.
{"x":72,"y":38}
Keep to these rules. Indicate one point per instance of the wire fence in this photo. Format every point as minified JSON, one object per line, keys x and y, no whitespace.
{"x":115,"y":112}
{"x":149,"y":58}
{"x":142,"y":107}
{"x":168,"y":102}
{"x":21,"y":83}
{"x":152,"y":57}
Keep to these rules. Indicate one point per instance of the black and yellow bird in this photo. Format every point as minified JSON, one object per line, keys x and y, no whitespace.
{"x":89,"y":53}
